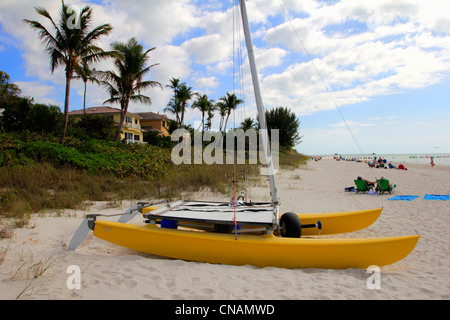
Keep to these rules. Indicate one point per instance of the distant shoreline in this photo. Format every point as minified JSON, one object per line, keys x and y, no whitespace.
{"x":419,"y":158}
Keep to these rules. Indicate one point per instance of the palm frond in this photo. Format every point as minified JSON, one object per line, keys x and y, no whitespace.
{"x":141,"y":98}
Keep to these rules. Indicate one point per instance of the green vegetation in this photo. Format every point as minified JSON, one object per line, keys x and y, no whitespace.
{"x":286,"y":121}
{"x":291,"y":160}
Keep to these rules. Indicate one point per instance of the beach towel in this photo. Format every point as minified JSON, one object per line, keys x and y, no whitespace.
{"x":437,"y":197}
{"x":403,"y":198}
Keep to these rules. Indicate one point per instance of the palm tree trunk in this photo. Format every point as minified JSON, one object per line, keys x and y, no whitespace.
{"x":69,"y":75}
{"x":178,"y":120}
{"x":122,"y":119}
{"x":84,"y":101}
{"x":124,"y":108}
{"x":226,"y":122}
{"x":182,"y":116}
{"x":203,"y":123}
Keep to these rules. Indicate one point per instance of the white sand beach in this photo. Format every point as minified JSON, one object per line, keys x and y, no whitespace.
{"x":112,"y":272}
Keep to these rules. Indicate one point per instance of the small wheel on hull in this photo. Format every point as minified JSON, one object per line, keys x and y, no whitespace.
{"x":290,"y":225}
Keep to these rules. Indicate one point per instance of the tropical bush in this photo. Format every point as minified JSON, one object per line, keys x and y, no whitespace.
{"x":92,"y":156}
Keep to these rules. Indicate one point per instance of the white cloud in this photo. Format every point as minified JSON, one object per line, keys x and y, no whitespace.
{"x":357,"y":66}
{"x":210,"y":82}
{"x":41,"y":93}
{"x":208,"y":49}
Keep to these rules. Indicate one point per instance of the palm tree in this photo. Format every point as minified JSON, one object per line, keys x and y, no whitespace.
{"x":223,"y":111}
{"x":85,"y":73}
{"x":126,"y":85}
{"x":70,"y":45}
{"x":210,"y":112}
{"x":174,"y":85}
{"x":204,"y":105}
{"x":231,"y":102}
{"x":174,"y":107}
{"x":183,"y":94}
{"x":248,"y":124}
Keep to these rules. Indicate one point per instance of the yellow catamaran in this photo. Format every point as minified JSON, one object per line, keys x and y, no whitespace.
{"x":264,"y":239}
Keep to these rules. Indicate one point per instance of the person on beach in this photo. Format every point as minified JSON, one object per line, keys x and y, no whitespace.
{"x":390,"y":183}
{"x":432,"y":162}
{"x":402,"y":167}
{"x":369,"y":183}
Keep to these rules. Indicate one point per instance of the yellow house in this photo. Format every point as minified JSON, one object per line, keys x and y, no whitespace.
{"x":151,"y":121}
{"x":131,"y":129}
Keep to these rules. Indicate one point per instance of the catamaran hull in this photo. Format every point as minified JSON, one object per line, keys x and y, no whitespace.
{"x":339,"y":222}
{"x":332,"y":222}
{"x":261,"y":251}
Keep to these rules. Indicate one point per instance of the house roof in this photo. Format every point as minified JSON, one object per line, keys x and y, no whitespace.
{"x":152,"y":128}
{"x":152,"y":116}
{"x":100,"y":111}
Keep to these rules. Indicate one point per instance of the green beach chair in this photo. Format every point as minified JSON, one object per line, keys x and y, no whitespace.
{"x":384,"y":186}
{"x":361,"y":186}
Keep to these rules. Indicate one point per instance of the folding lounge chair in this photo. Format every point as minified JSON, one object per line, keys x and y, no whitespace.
{"x":383,"y":186}
{"x":361,"y":186}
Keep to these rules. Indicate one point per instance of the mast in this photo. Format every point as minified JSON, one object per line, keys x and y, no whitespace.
{"x":260,"y":106}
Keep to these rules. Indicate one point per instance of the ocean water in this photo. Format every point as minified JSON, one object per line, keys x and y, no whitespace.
{"x":438,"y":158}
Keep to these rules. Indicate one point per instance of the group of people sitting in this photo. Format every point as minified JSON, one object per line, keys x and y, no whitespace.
{"x":380,"y":185}
{"x":372,"y":183}
{"x":381,"y":163}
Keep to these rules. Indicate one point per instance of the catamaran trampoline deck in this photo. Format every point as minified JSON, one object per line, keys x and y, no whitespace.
{"x":261,"y":214}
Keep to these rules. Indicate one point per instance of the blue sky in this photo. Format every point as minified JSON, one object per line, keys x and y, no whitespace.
{"x":386,"y":63}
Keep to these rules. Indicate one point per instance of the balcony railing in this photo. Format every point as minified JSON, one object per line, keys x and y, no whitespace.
{"x":135,"y":141}
{"x":131,"y":125}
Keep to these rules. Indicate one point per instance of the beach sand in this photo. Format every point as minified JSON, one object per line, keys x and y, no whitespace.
{"x":112,"y":272}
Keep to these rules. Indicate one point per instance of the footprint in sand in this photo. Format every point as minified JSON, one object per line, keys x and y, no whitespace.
{"x":125,"y":284}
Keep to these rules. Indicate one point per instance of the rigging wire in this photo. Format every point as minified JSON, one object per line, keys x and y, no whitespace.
{"x":241,"y":86}
{"x":327,"y":88}
{"x":234,"y":119}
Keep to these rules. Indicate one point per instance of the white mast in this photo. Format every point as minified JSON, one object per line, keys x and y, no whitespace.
{"x":261,"y":111}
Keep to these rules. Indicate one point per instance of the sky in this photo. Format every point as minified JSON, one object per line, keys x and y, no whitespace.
{"x":362,"y":76}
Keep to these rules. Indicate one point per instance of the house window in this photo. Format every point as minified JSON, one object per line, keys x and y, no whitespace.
{"x":128,"y":119}
{"x":135,"y":121}
{"x":137,"y":137}
{"x":128,"y":136}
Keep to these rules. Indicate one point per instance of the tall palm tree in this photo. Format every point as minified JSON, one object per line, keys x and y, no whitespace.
{"x":210,"y":112}
{"x":204,"y":105}
{"x":85,"y":73}
{"x":70,"y":44}
{"x":184,"y":94}
{"x":174,"y":106}
{"x":223,"y":111}
{"x":126,"y":85}
{"x":231,"y":102}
